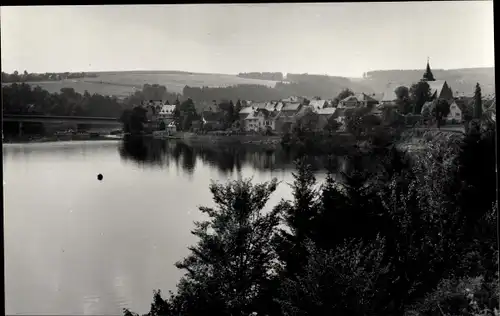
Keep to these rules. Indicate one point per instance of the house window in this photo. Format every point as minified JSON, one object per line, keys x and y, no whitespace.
{"x":267,"y":123}
{"x":457,"y":114}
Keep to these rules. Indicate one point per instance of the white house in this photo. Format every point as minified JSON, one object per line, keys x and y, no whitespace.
{"x":252,"y":122}
{"x":166,"y":111}
{"x":260,"y":120}
{"x":455,"y":114}
{"x":171,"y":128}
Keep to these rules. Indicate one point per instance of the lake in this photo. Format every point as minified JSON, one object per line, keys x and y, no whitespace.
{"x":75,"y":245}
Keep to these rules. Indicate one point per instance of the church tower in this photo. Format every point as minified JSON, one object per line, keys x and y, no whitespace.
{"x":428,"y":76}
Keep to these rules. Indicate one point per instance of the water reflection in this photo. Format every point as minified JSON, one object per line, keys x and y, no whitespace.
{"x":226,"y":159}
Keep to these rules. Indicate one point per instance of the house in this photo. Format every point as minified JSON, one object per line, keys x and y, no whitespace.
{"x":268,"y":119}
{"x":294,"y":99}
{"x":270,"y":106}
{"x":171,"y":128}
{"x":326,"y":112}
{"x":166,"y":111}
{"x":212,"y":120}
{"x":259,"y":105}
{"x":389,"y":96}
{"x":290,"y":109}
{"x":251,"y":122}
{"x":165,"y":114}
{"x":278,"y":106}
{"x":358,"y":100}
{"x":455,"y":114}
{"x":244,"y":112}
{"x":259,"y":120}
{"x":318,"y":104}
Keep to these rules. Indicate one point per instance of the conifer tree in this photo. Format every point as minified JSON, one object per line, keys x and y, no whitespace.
{"x":230,"y":265}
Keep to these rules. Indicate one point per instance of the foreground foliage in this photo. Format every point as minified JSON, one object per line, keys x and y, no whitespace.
{"x":414,"y":236}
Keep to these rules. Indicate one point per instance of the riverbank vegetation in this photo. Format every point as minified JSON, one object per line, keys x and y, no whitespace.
{"x":414,"y":236}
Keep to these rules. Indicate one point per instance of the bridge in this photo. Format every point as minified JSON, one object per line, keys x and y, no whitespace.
{"x":23,"y":118}
{"x":61,"y":119}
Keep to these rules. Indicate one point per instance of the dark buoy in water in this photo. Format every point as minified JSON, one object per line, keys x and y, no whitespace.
{"x":99,"y":177}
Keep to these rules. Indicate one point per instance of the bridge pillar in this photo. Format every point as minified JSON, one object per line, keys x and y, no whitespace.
{"x":20,"y":128}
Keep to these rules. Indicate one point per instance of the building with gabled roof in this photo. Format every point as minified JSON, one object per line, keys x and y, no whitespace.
{"x":291,"y":107}
{"x":358,"y":100}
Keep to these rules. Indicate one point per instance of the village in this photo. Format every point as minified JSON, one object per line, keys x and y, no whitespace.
{"x":279,"y":116}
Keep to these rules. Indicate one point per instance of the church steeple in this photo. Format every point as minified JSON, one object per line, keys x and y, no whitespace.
{"x":428,"y":76}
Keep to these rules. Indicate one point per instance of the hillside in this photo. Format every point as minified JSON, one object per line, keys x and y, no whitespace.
{"x":461,"y":80}
{"x":124,"y":83}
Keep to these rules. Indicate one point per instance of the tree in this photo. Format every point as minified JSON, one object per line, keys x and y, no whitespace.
{"x":402,"y":92}
{"x":348,"y":280}
{"x":228,"y":269}
{"x":332,"y":125}
{"x":440,"y":110}
{"x":134,"y":120}
{"x":299,"y":216}
{"x":420,"y":93}
{"x":187,"y":113}
{"x":478,"y":102}
{"x":231,"y":113}
{"x":237,"y":109}
{"x":162,"y":126}
{"x":403,"y":99}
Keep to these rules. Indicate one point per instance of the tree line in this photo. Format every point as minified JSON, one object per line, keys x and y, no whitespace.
{"x":25,"y":99}
{"x":414,"y":236}
{"x":326,"y":88}
{"x":48,"y":76}
{"x":274,"y":76}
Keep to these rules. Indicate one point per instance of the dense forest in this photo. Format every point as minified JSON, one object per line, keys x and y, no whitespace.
{"x":415,"y":236}
{"x":275,"y":76}
{"x":24,"y":99}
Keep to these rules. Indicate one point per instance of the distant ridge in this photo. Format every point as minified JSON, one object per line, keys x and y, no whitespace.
{"x":125,"y":82}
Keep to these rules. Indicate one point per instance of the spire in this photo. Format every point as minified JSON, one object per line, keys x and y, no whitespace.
{"x":428,"y":76}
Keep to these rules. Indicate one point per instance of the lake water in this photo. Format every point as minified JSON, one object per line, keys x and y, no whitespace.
{"x":75,"y":245}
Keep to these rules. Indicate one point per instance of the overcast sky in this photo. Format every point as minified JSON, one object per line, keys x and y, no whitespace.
{"x":344,"y":39}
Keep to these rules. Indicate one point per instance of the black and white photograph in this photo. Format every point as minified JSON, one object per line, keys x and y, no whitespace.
{"x":250,"y":159}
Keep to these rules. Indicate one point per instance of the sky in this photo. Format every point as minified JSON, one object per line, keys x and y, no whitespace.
{"x":340,"y":39}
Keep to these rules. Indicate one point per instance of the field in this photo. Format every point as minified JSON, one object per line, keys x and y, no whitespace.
{"x":122,"y":84}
